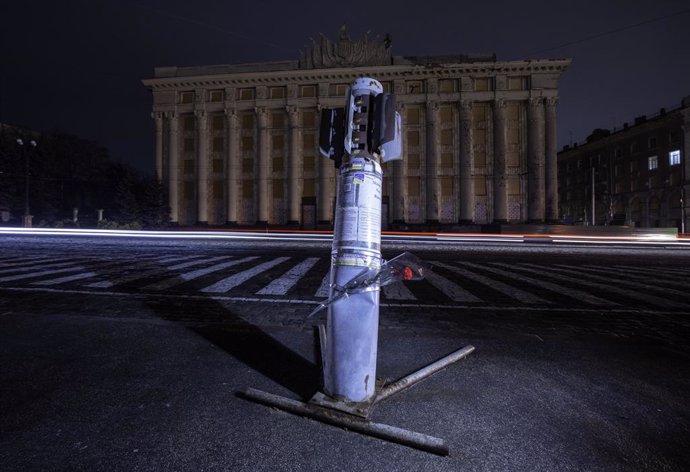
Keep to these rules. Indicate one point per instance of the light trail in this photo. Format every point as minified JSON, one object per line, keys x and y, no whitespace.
{"x":418,"y":238}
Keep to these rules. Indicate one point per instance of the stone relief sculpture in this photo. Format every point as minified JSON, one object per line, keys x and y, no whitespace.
{"x":345,"y":52}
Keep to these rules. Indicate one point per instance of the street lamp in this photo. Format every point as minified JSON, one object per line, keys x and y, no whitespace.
{"x":27,"y":212}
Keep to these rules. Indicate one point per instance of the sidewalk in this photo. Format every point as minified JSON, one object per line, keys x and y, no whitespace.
{"x":91,"y":384}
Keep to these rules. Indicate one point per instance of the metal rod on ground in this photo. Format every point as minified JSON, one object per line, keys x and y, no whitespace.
{"x":382,"y":431}
{"x":423,"y":373}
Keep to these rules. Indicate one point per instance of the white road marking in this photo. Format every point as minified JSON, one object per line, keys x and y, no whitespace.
{"x":450,"y":289}
{"x":152,"y":272}
{"x":671,"y":280}
{"x":397,"y":291}
{"x":587,"y":280}
{"x":195,"y":274}
{"x":285,"y":282}
{"x":233,"y":281}
{"x":67,"y":278}
{"x":569,"y":292}
{"x":38,"y":267}
{"x":513,"y":292}
{"x":324,"y":288}
{"x":11,"y":278}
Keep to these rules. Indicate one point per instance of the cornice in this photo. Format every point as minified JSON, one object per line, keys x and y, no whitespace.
{"x":382,"y":73}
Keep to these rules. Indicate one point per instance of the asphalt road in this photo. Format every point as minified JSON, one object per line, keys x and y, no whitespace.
{"x":115,"y":354}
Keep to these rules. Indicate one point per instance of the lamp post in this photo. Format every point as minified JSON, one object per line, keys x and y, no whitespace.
{"x":27,"y":212}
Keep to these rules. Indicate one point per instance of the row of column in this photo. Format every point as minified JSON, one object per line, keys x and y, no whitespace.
{"x":542,"y":173}
{"x":233,"y":169}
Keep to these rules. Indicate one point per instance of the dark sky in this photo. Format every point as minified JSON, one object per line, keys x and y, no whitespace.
{"x":77,"y":65}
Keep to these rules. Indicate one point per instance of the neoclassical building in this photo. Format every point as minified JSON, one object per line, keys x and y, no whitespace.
{"x":238,"y":144}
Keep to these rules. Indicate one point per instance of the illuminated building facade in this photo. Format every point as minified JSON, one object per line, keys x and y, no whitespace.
{"x":238,"y":144}
{"x":640,"y":173}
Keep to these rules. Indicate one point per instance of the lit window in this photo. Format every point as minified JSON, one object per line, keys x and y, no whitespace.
{"x":674,"y":157}
{"x":653,"y":162}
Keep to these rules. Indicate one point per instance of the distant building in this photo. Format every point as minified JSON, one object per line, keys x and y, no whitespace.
{"x":238,"y":144}
{"x":641,"y":173}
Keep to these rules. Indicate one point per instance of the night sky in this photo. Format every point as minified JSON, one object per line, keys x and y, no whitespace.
{"x":77,"y":65}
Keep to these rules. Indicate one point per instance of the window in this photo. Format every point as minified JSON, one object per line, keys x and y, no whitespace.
{"x":188,"y":123}
{"x":217,"y":166}
{"x":218,"y":144}
{"x":412,"y":116}
{"x":186,"y":97}
{"x":217,"y":190}
{"x":217,"y":121}
{"x":246,"y":94}
{"x":188,"y":145}
{"x":674,"y":157}
{"x":278,"y":120}
{"x":518,"y":83}
{"x":188,"y":166}
{"x":651,"y":142}
{"x":653,"y":162}
{"x":278,"y":142}
{"x":415,"y":86}
{"x":308,"y":119}
{"x":247,"y":121}
{"x":307,"y":91}
{"x":413,"y":186}
{"x":672,"y":136}
{"x":634,"y":147}
{"x":447,"y":85}
{"x":617,"y":152}
{"x":247,"y":143}
{"x":277,"y":92}
{"x":337,"y":90}
{"x":484,"y":84}
{"x":216,"y":96}
{"x":188,"y":190}
{"x":413,"y":138}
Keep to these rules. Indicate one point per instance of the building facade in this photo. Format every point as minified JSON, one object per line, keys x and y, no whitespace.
{"x":238,"y":144}
{"x":638,"y":175}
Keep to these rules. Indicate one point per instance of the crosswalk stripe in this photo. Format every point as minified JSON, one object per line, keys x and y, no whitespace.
{"x":324,"y":288}
{"x":676,"y":281}
{"x":569,"y":292}
{"x":397,"y":291}
{"x":12,"y":278}
{"x":450,"y":289}
{"x":38,"y":267}
{"x":652,"y":270}
{"x":229,"y":283}
{"x":513,"y":292}
{"x":195,"y":274}
{"x":168,"y":259}
{"x":67,"y":278}
{"x":152,"y":272}
{"x":607,"y":286}
{"x":19,"y":260}
{"x":285,"y":282}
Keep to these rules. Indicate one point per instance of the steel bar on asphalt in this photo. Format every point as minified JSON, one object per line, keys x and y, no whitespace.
{"x":381,"y":431}
{"x":423,"y":373}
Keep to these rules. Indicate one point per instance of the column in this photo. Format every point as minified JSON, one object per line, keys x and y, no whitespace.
{"x":202,"y":166}
{"x":324,"y":198}
{"x":397,"y":200}
{"x":535,"y":160}
{"x":466,"y":184}
{"x":294,"y":166}
{"x":174,"y":164}
{"x":158,"y":117}
{"x":500,"y":197}
{"x":551,"y":162}
{"x":432,"y":147}
{"x":233,"y":164}
{"x":264,"y":166}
